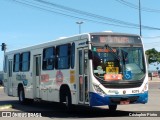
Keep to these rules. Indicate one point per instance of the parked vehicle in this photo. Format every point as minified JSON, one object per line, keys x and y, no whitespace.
{"x":1,"y":78}
{"x":155,"y":74}
{"x":1,"y":83}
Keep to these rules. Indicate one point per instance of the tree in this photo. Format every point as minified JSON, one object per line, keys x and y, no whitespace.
{"x":157,"y":68}
{"x":153,"y":56}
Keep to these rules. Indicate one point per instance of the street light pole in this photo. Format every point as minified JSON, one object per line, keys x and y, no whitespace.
{"x":140,"y":18}
{"x":79,"y":23}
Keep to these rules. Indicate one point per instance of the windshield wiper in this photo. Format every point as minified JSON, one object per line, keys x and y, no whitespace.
{"x":124,"y":56}
{"x":113,"y":53}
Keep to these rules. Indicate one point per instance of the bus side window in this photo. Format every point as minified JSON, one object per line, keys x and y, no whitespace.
{"x":5,"y":64}
{"x":63,"y":56}
{"x":48,"y":58}
{"x":16,"y":64}
{"x":25,"y":61}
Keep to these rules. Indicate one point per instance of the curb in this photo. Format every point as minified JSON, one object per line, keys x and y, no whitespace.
{"x":5,"y":107}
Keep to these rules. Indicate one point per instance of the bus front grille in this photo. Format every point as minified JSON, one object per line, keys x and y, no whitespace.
{"x":119,"y":85}
{"x":117,"y":100}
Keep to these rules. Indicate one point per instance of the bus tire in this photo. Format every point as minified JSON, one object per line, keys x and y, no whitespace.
{"x":112,"y":107}
{"x":65,"y":97}
{"x":21,"y":95}
{"x":22,"y":98}
{"x":68,"y":102}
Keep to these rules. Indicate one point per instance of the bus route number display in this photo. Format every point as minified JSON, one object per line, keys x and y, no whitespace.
{"x":111,"y":68}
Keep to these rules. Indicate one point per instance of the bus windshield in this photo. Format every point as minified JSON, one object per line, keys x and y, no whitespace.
{"x":118,"y":62}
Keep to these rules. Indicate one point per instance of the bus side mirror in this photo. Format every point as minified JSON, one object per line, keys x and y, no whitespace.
{"x":90,"y":55}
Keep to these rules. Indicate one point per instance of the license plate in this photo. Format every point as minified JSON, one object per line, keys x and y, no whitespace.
{"x":126,"y":102}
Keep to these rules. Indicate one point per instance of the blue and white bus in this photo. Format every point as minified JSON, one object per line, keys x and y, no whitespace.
{"x":93,"y":69}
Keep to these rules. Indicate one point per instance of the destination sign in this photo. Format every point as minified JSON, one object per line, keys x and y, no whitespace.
{"x":110,"y":39}
{"x":116,"y":39}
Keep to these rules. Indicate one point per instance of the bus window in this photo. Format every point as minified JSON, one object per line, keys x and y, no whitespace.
{"x":63,"y":56}
{"x":48,"y":58}
{"x":5,"y":64}
{"x":25,"y":61}
{"x":80,"y":62}
{"x":16,"y":66}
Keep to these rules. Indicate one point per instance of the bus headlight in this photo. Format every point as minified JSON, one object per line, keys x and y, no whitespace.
{"x":145,"y":88}
{"x":98,"y":90}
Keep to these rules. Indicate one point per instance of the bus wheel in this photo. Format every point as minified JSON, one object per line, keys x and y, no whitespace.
{"x":21,"y":95}
{"x":68,"y":102}
{"x":112,"y":107}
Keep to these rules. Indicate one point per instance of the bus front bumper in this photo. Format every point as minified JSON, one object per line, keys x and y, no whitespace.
{"x":97,"y":100}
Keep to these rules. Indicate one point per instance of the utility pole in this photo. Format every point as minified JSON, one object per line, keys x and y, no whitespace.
{"x":79,"y":23}
{"x":3,"y":48}
{"x":140,"y":26}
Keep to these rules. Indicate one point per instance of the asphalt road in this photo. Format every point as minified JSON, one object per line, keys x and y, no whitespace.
{"x":58,"y":111}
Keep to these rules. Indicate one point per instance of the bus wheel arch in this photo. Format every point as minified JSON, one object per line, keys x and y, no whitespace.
{"x":65,"y":95}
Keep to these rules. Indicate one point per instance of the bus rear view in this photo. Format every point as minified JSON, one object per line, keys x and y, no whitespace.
{"x":118,"y":70}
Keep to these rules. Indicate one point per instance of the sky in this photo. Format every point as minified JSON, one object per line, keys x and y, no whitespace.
{"x":23,"y":25}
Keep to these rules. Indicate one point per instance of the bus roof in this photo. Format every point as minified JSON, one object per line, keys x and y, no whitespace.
{"x":112,"y":33}
{"x":62,"y":40}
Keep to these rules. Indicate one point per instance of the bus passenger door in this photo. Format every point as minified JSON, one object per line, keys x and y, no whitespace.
{"x":83,"y":81}
{"x":37,"y":75}
{"x":10,"y":79}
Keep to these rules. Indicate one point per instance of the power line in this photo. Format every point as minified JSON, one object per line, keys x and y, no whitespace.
{"x":85,"y":13}
{"x":127,"y":4}
{"x":26,"y":3}
{"x":131,"y":5}
{"x":96,"y":16}
{"x":64,"y":11}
